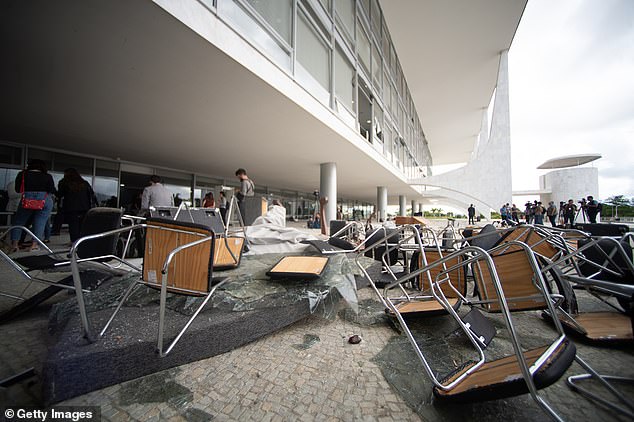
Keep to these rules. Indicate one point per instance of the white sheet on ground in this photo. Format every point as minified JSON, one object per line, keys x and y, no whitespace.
{"x":269,"y":234}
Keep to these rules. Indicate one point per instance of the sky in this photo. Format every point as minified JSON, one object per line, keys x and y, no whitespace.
{"x":571,"y":76}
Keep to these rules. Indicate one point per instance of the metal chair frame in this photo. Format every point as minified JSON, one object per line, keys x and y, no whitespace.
{"x":472,"y":254}
{"x":163,"y":292}
{"x":63,"y":261}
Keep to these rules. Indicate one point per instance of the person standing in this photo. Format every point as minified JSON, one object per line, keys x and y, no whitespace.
{"x":471,"y":212}
{"x":528,"y":213}
{"x":569,"y":213}
{"x":156,"y":195}
{"x":77,"y":198}
{"x":515,"y":213}
{"x":592,"y":209}
{"x":246,"y":189}
{"x":33,"y":183}
{"x":209,"y":201}
{"x":551,"y":212}
{"x":538,"y":212}
{"x":223,"y":206}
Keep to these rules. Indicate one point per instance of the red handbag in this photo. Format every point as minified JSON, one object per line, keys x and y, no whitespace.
{"x":32,"y":200}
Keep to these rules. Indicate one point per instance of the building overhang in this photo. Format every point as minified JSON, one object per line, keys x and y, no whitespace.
{"x":128,"y":80}
{"x":449,"y":52}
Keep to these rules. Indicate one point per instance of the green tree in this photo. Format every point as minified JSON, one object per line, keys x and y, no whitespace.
{"x":618,"y":206}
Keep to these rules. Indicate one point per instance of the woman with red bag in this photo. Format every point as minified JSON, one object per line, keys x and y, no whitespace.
{"x":37,"y":188}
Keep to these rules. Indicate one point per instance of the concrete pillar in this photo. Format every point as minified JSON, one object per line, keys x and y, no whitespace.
{"x":413,"y":207}
{"x":419,"y":207}
{"x":402,"y":205}
{"x":381,"y":203}
{"x":328,"y":189}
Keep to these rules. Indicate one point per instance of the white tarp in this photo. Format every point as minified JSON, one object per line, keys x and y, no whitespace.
{"x":269,"y":234}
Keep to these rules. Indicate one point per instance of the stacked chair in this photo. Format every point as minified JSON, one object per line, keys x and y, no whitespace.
{"x":519,"y":269}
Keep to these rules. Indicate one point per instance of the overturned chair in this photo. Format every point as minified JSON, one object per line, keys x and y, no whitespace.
{"x":419,"y":246}
{"x":228,"y":245}
{"x":179,"y":259}
{"x":100,"y":250}
{"x":524,"y":371}
{"x":604,"y":268}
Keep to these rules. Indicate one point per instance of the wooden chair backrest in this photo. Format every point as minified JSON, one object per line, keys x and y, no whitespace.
{"x":456,"y":277}
{"x":517,"y":278}
{"x":190,"y":270}
{"x":533,"y":239}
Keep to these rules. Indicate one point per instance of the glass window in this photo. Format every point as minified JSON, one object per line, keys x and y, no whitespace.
{"x":345,"y":11}
{"x":7,"y":177}
{"x":277,"y":13}
{"x":10,"y":155}
{"x":375,"y":19}
{"x":40,"y":154}
{"x":180,"y":184}
{"x":394,"y":101}
{"x":363,"y":48}
{"x":377,"y":127}
{"x":365,"y":110}
{"x":387,"y":93}
{"x":393,"y":61}
{"x":387,"y":145}
{"x":344,"y":79}
{"x":63,"y":161}
{"x":106,"y":183}
{"x":385,"y":37}
{"x":377,"y":69}
{"x":312,"y":52}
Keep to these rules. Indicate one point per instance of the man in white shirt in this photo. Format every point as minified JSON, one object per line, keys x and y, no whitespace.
{"x":156,"y":195}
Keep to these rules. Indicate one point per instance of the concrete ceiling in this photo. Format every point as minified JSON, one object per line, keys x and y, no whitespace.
{"x":449,"y":52}
{"x":123,"y":79}
{"x":127,"y":80}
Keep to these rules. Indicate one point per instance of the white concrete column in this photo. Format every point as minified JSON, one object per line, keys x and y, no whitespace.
{"x":328,"y":189}
{"x":419,"y":207}
{"x":381,"y":203}
{"x":402,"y":205}
{"x":413,"y":207}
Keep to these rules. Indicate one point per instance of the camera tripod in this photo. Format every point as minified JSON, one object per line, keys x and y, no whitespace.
{"x":582,"y":211}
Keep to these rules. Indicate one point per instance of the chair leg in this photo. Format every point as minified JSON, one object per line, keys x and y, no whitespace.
{"x":125,"y":297}
{"x":189,"y":322}
{"x":573,"y":380}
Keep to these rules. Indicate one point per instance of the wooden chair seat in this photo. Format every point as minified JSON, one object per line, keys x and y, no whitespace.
{"x":223,"y":259}
{"x":503,"y":377}
{"x":424,"y":306}
{"x":602,"y":326}
{"x":306,"y":267}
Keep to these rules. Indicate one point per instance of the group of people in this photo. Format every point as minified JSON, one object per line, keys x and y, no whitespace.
{"x":157,"y":195}
{"x":37,"y":195}
{"x":534,"y":212}
{"x":33,"y":194}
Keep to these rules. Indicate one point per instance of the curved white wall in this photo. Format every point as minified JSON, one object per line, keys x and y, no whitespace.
{"x":571,"y":183}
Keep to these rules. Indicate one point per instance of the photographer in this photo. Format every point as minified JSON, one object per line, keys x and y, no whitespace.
{"x":569,"y":211}
{"x":592,"y":209}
